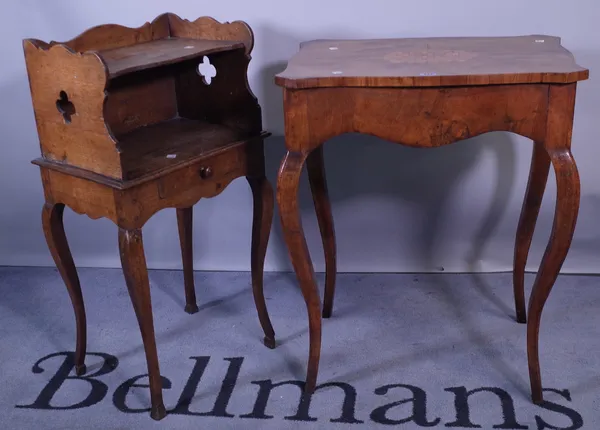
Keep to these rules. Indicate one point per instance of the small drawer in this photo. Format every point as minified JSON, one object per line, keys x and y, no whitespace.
{"x":205,"y":178}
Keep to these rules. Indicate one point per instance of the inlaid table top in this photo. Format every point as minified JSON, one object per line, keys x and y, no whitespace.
{"x":425,"y":62}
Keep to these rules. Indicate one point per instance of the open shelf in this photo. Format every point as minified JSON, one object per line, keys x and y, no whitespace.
{"x":129,"y":59}
{"x":155,"y":148}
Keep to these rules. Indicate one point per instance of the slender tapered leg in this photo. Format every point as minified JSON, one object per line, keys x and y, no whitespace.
{"x":52,"y":221}
{"x":136,"y":277}
{"x":287,"y":199}
{"x":184,"y":223}
{"x":316,"y":175}
{"x":538,"y":175}
{"x":557,"y":144}
{"x":567,"y":207}
{"x":262,"y":194}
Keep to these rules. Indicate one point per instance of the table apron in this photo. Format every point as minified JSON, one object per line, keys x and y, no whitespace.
{"x":418,"y":117}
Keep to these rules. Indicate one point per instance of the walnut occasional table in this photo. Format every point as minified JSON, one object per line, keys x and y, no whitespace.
{"x":428,"y":93}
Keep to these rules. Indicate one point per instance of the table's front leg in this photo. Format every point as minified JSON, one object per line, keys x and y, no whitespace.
{"x":287,"y":199}
{"x":558,"y":146}
{"x":136,"y":276}
{"x":52,"y":221}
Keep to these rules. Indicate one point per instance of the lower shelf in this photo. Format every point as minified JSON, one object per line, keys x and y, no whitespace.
{"x":156,"y":150}
{"x":158,"y":147}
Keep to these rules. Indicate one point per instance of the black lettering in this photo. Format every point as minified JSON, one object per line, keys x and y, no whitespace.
{"x":461,"y":403}
{"x":183,"y":404}
{"x":233,"y":371}
{"x":227,"y":387}
{"x":98,"y":388}
{"x":419,"y":407}
{"x":576,"y":419}
{"x":122,"y":390}
{"x":260,"y":405}
{"x":302,"y":412}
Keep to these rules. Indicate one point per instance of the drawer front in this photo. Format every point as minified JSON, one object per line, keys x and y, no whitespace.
{"x":206,"y":178}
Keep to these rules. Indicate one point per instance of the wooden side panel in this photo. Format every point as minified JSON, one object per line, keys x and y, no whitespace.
{"x":81,"y":195}
{"x":560,"y":117}
{"x":79,"y":138}
{"x":208,"y":28}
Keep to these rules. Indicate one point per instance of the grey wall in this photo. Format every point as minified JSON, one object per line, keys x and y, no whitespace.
{"x":396,"y":208}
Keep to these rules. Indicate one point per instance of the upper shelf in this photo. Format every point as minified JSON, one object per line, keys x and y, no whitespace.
{"x":427,"y":62}
{"x":166,"y":40}
{"x":128,"y":59}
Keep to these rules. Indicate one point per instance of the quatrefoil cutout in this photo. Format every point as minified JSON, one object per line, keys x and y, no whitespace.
{"x":206,"y":70}
{"x":65,"y":107}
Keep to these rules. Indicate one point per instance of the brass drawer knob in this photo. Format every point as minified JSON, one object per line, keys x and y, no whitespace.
{"x":206,"y":172}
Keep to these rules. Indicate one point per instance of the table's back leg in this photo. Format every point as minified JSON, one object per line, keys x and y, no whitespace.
{"x":538,"y":175}
{"x":52,"y":221}
{"x":136,"y":276}
{"x":262,"y":194}
{"x":287,"y":199}
{"x":558,"y":145}
{"x":185,"y":226}
{"x":315,"y":165}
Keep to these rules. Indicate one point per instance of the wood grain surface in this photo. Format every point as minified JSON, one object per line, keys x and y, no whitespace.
{"x":160,"y":52}
{"x":129,"y":126}
{"x":423,"y":62}
{"x":426,"y":93}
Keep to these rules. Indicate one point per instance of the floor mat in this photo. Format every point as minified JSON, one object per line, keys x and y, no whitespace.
{"x":401,"y":350}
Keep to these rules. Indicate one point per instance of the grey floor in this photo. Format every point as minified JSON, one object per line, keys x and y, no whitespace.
{"x":400,"y":351}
